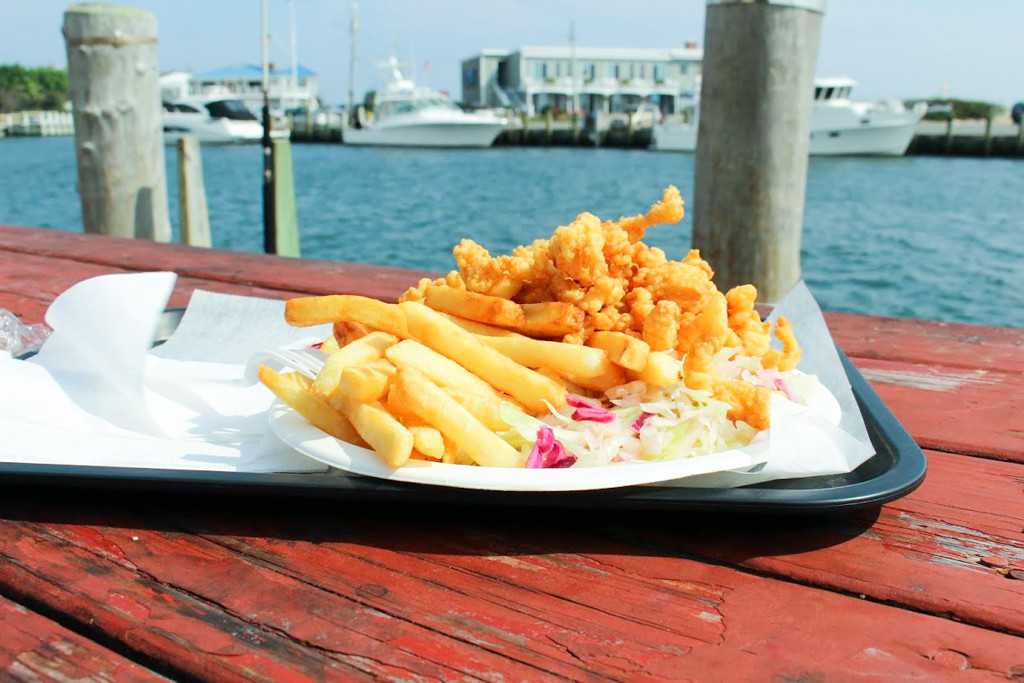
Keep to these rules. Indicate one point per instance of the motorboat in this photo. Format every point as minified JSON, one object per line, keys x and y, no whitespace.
{"x":213,"y":121}
{"x":839,"y":126}
{"x":408,"y":115}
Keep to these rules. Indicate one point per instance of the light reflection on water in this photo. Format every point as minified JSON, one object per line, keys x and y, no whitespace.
{"x":923,"y":237}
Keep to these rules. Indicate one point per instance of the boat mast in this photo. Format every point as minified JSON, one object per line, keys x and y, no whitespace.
{"x":295,"y":54}
{"x":353,"y":25}
{"x":269,"y":232}
{"x":574,"y":98}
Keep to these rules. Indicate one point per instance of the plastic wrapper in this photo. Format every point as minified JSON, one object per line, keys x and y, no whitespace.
{"x":17,"y":338}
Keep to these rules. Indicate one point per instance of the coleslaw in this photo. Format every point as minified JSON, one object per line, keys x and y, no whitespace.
{"x":637,"y":422}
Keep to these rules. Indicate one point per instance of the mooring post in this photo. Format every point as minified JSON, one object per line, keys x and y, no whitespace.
{"x":286,"y":222}
{"x":193,"y":215}
{"x":753,"y":140}
{"x":115,"y":94}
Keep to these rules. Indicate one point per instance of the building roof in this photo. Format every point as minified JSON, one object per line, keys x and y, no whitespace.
{"x":605,"y":53}
{"x":249,"y":71}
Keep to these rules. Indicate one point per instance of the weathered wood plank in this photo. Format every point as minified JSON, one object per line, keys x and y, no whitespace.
{"x":954,"y":409}
{"x":923,"y":551}
{"x":213,"y":615}
{"x":35,"y":648}
{"x":313,"y":276}
{"x":974,"y":347}
{"x":568,"y":603}
{"x":31,"y":283}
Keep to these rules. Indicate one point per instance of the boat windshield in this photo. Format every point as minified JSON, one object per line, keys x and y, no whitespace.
{"x":230,"y":109}
{"x":410,"y":106}
{"x":174,"y":106}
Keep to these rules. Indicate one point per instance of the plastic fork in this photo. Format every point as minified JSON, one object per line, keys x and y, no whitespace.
{"x":307,"y":361}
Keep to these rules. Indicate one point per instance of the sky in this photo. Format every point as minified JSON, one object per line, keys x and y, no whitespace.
{"x":892,"y":48}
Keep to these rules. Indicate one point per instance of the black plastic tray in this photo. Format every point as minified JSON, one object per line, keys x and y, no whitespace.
{"x":897,"y":468}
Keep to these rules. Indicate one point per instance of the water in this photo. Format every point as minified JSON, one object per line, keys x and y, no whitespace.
{"x":920,"y":237}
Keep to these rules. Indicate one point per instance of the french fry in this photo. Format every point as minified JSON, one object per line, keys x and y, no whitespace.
{"x":329,"y":345}
{"x":386,"y":435}
{"x":451,"y":451}
{"x":382,"y":365}
{"x":427,"y":440}
{"x":361,"y":384}
{"x":661,"y":370}
{"x":612,"y":377}
{"x":624,"y":350}
{"x":417,"y":455}
{"x":565,"y":359}
{"x":317,"y":310}
{"x":551,"y":319}
{"x":440,"y":369}
{"x":359,"y":352}
{"x":347,"y":331}
{"x":430,"y":402}
{"x":483,"y":308}
{"x":479,"y":328}
{"x":294,"y":389}
{"x":530,"y":388}
{"x":484,"y":408}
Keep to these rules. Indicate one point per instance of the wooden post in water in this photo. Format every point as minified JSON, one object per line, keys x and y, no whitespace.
{"x":192,"y":212}
{"x":988,"y":134}
{"x":115,"y":93}
{"x":286,"y":223}
{"x":753,"y":140}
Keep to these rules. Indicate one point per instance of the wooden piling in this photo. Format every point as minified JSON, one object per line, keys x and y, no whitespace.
{"x":115,"y":94}
{"x":192,"y":212}
{"x":286,"y":223}
{"x":753,"y":140}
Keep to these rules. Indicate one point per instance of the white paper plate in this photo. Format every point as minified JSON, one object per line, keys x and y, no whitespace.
{"x":294,"y":431}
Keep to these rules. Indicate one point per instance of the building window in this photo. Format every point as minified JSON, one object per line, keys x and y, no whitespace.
{"x":588,"y":72}
{"x":540,"y":70}
{"x":615,"y":70}
{"x":659,"y":73}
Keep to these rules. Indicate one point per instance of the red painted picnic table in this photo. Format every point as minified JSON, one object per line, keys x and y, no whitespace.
{"x":133,"y":585}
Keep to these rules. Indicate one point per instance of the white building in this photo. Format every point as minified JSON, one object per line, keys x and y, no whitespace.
{"x":534,"y":78}
{"x":289,"y":88}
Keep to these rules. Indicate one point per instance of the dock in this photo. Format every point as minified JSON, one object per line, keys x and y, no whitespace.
{"x":974,"y":138}
{"x":110,"y":577}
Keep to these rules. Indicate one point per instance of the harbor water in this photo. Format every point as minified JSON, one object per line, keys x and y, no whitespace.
{"x":937,"y":238}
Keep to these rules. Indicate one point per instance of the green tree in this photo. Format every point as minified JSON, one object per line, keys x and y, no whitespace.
{"x":35,"y":88}
{"x":964,"y":109}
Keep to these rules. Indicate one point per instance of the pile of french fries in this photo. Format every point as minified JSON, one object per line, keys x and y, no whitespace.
{"x":430,"y":380}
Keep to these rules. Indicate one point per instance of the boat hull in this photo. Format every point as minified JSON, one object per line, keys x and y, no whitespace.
{"x":431,"y":134}
{"x":210,"y":131}
{"x":838,"y":128}
{"x":891,"y":140}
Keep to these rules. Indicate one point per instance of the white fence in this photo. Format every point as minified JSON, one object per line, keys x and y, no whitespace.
{"x":37,"y":123}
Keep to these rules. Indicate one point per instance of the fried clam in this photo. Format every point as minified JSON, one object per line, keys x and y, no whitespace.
{"x":620,"y":284}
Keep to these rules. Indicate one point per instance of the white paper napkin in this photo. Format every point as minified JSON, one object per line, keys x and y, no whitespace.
{"x":98,"y":394}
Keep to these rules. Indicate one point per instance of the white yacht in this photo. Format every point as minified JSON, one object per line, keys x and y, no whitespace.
{"x":215,"y":121}
{"x":839,"y":126}
{"x":407,"y":115}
